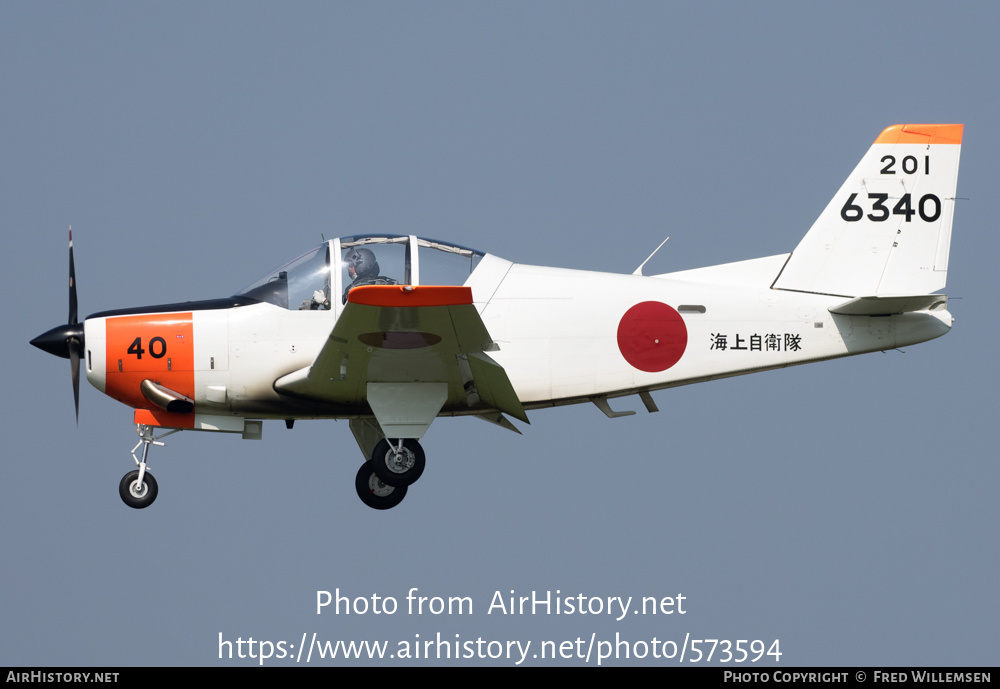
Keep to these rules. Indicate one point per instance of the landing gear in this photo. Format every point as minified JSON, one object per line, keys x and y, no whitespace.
{"x":138,"y":493}
{"x":382,"y":482}
{"x":376,"y":493}
{"x":398,"y":463}
{"x":138,"y":488}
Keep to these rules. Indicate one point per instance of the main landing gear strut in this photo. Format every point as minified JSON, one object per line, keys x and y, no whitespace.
{"x":138,"y":488}
{"x":382,"y":482}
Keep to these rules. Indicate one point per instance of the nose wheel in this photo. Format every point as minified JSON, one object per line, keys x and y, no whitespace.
{"x":138,"y":488}
{"x":136,"y":492}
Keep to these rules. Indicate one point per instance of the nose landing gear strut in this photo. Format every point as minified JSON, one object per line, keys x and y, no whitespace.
{"x":138,"y":488}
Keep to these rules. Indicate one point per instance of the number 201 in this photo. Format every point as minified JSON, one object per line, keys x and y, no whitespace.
{"x":909,"y":165}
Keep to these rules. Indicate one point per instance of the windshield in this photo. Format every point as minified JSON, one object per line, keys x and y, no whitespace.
{"x":302,"y":284}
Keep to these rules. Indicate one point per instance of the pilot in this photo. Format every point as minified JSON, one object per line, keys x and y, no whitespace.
{"x":363,"y":269}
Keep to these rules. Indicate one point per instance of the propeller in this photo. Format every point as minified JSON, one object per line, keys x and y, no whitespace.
{"x":66,"y":341}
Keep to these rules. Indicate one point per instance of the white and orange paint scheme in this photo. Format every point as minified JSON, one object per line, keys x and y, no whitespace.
{"x":393,"y":331}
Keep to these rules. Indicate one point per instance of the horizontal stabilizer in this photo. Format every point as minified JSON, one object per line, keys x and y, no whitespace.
{"x":890,"y":306}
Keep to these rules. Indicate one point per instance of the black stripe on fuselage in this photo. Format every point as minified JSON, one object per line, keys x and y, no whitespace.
{"x":203,"y":305}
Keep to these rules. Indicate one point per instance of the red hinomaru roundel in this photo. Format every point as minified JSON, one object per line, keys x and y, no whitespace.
{"x":652,"y":336}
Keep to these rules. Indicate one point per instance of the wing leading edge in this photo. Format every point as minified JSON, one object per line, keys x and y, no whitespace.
{"x":409,"y":351}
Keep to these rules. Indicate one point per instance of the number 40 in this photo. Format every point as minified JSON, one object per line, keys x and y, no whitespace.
{"x":157,"y":348}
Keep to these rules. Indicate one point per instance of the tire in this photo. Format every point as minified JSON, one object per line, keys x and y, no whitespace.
{"x":398,"y":473}
{"x":376,"y":493}
{"x":133,"y":495}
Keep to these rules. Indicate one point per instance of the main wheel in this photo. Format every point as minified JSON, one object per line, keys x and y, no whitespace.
{"x":135,"y":494}
{"x":376,"y":493}
{"x":398,"y":468}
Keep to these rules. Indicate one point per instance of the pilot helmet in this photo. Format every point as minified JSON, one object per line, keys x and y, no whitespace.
{"x":363,"y":260}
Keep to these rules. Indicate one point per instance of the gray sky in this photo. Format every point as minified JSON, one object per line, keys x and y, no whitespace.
{"x":845,"y":508}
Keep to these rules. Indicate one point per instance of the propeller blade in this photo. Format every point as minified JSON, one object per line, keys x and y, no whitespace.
{"x":72,"y":282}
{"x":74,"y":366}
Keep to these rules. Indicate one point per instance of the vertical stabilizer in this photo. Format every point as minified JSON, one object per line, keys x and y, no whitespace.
{"x":888,"y":230}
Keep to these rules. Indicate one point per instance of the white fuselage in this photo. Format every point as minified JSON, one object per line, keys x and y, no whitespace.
{"x":558,"y":332}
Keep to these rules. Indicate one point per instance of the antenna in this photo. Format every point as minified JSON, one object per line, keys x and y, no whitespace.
{"x":638,"y":271}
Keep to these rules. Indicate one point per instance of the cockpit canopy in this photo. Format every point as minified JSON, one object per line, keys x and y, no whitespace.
{"x":314,"y":282}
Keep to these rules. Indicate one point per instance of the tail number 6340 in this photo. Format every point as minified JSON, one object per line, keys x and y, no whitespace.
{"x":928,"y":208}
